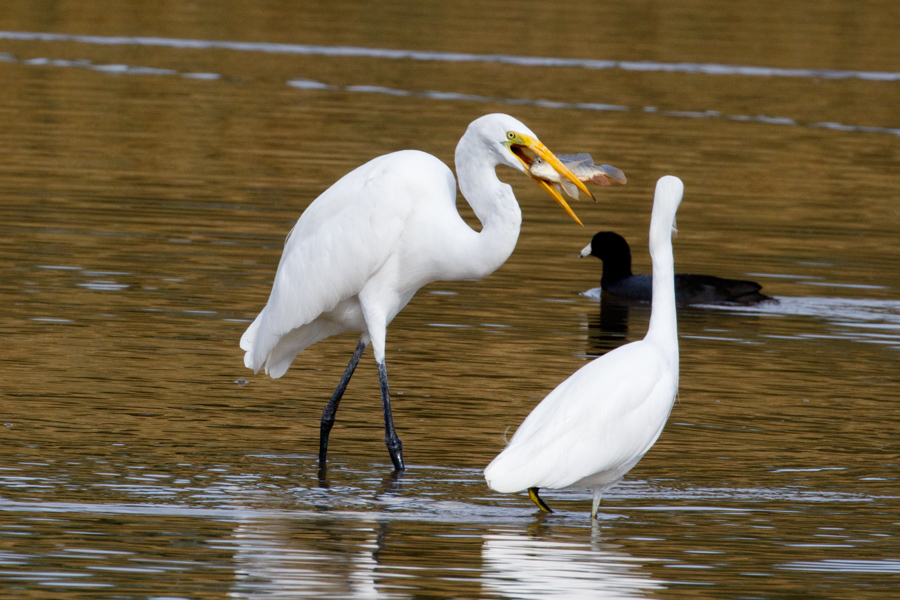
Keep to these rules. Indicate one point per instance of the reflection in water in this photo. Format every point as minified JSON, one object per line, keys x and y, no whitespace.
{"x":262,"y":535}
{"x":272,"y":563}
{"x":518,"y":566}
{"x":608,"y":326}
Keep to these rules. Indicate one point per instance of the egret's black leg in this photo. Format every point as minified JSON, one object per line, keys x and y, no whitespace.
{"x":394,"y":446}
{"x":533,"y":494}
{"x":330,"y":411}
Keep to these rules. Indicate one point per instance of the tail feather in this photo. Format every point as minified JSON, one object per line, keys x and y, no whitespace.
{"x":257,"y":343}
{"x":280,"y":357}
{"x":248,"y":342}
{"x":276,"y":352}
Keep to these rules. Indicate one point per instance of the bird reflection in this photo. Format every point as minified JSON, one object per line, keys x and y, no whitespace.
{"x":276,"y":558}
{"x":519,"y":566}
{"x":608,"y":326}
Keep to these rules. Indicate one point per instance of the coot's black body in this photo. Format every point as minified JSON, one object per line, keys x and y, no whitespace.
{"x":618,"y":280}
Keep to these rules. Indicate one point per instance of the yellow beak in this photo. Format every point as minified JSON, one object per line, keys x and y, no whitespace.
{"x":551,"y":189}
{"x":541,"y":150}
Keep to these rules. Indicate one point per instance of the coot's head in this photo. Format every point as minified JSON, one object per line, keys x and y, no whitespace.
{"x":613,"y":250}
{"x":607,"y":245}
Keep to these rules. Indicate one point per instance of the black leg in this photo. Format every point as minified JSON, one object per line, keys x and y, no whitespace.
{"x":330,"y":411}
{"x":394,"y":446}
{"x":533,"y":494}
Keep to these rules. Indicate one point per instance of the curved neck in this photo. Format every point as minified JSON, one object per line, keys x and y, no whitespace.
{"x":494,"y":203}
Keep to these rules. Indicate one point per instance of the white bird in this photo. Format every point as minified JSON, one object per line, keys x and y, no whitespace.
{"x":597,"y":424}
{"x":362,"y":249}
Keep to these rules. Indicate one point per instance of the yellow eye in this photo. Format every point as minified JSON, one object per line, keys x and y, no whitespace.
{"x":511,"y":135}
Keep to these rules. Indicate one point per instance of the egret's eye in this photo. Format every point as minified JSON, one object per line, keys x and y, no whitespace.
{"x":511,"y":135}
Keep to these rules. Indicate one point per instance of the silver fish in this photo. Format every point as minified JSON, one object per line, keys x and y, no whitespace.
{"x":582,"y":165}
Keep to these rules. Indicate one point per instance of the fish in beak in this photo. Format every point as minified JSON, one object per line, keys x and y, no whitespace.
{"x":582,"y":165}
{"x":526,"y":149}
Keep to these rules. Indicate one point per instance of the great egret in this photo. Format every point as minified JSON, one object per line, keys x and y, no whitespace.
{"x":582,"y":165}
{"x":597,"y":424}
{"x":362,"y":249}
{"x":618,"y":280}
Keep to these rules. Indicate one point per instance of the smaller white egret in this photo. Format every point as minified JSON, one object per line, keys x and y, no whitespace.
{"x":597,"y":424}
{"x":364,"y":247}
{"x":618,"y":280}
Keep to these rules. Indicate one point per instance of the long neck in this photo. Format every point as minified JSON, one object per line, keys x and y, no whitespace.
{"x":663,"y":327}
{"x":494,"y":203}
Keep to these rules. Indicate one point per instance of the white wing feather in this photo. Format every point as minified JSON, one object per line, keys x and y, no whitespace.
{"x":579,"y":429}
{"x":339,"y":242}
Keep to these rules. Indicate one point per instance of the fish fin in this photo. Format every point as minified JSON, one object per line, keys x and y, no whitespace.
{"x":613,"y":173}
{"x":569,"y":188}
{"x":579,"y":158}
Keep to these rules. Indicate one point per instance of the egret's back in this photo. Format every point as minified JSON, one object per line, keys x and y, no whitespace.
{"x":340,"y":241}
{"x":587,"y":429}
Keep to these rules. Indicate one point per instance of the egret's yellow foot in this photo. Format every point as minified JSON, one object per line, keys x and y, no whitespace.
{"x":533,"y":494}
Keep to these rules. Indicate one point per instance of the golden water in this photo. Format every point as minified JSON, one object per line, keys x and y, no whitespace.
{"x":145,"y":191}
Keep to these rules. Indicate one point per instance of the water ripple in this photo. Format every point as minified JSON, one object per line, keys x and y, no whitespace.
{"x":845,"y":566}
{"x":434,"y":56}
{"x":312,"y":85}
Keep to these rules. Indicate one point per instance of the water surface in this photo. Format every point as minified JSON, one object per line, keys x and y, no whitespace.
{"x":154,"y":160}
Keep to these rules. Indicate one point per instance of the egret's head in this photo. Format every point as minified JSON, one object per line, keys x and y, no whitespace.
{"x":517,"y":146}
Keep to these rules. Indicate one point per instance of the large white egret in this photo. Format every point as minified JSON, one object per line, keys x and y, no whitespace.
{"x":597,"y":424}
{"x":618,"y":280}
{"x":362,"y":249}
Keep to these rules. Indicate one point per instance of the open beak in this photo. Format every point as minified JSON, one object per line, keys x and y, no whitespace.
{"x":551,"y":189}
{"x":522,"y":142}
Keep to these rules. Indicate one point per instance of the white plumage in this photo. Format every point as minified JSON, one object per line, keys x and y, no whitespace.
{"x":364,"y":247}
{"x":597,"y":424}
{"x":352,"y":241}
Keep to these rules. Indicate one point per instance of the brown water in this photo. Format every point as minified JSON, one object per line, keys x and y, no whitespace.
{"x":146,"y":186}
